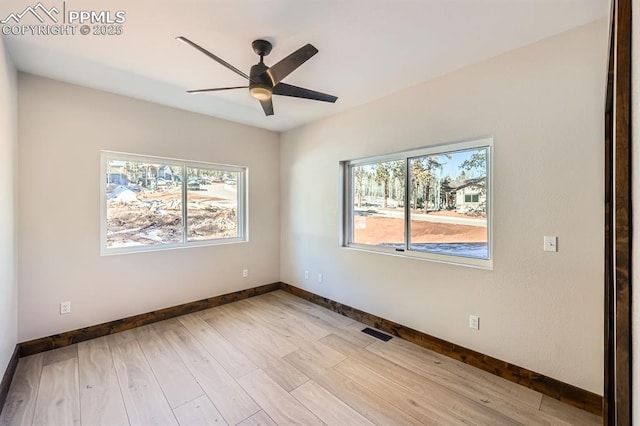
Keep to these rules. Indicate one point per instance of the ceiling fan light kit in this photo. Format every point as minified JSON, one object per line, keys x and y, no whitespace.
{"x":261,"y":93}
{"x":265,"y":81}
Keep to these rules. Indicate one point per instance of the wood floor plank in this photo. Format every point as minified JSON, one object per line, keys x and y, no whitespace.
{"x":257,"y":331}
{"x":121,"y":337}
{"x":279,"y":370}
{"x":569,"y":414}
{"x":275,"y":401}
{"x":143,"y":398}
{"x":361,"y":399}
{"x":199,"y":412}
{"x":169,"y":324}
{"x":316,"y":312}
{"x":230,"y":357}
{"x":258,"y":419}
{"x":101,"y":401}
{"x":463,"y":371}
{"x":21,"y":400}
{"x":283,"y":317}
{"x":229,"y":398}
{"x":206,"y":314}
{"x":60,"y":354}
{"x":176,"y":381}
{"x":300,"y":336}
{"x":323,"y":354}
{"x":428,"y":405}
{"x":317,"y":399}
{"x":327,"y":320}
{"x":58,"y":401}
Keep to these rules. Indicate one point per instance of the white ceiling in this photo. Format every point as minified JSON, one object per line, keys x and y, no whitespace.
{"x":367,"y":48}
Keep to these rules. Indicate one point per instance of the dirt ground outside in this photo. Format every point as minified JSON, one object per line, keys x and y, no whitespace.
{"x":378,"y":230}
{"x":156,"y":216}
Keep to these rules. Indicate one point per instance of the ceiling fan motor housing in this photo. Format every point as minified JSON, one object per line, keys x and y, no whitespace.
{"x":260,"y":83}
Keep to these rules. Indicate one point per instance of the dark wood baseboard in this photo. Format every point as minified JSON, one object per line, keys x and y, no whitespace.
{"x":70,"y":337}
{"x":564,"y":392}
{"x":8,"y":376}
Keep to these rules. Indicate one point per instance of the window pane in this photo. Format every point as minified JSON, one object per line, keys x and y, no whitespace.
{"x":144,"y":204}
{"x":212,"y":204}
{"x":378,"y":203}
{"x":448,"y":203}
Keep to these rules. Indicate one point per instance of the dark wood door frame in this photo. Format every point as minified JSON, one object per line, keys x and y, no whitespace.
{"x":617,"y":408}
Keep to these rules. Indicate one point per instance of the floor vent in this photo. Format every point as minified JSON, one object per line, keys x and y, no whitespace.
{"x":377,"y":334}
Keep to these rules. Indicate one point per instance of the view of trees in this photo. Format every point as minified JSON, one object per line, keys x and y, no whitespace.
{"x":431,"y":187}
{"x":149,"y":176}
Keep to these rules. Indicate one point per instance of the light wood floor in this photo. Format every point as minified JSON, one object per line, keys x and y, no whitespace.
{"x":272,"y":359}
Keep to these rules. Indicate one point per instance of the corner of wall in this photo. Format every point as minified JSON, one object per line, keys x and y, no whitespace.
{"x":8,"y":210}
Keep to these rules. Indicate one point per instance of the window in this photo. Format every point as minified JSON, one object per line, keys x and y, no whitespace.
{"x":431,"y":203}
{"x":151,"y":203}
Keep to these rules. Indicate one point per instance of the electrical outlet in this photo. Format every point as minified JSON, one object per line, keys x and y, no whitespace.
{"x":245,"y":273}
{"x":320,"y":277}
{"x":65,"y":308}
{"x":474,"y":322}
{"x":551,"y":243}
{"x":306,"y":275}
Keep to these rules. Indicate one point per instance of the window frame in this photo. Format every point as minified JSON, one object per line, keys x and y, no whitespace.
{"x":347,"y":203}
{"x":242,"y":206}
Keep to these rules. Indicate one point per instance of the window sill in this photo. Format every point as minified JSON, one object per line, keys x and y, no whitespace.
{"x":486,"y":264}
{"x":164,"y":247}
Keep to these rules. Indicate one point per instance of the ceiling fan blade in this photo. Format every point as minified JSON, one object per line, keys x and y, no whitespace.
{"x":290,"y":63}
{"x":267,"y":106}
{"x":216,"y":89}
{"x":300,"y":92}
{"x":212,"y":56}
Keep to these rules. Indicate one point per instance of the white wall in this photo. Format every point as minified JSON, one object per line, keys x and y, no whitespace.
{"x":62,"y":130}
{"x":8,"y":247}
{"x":544,"y":106}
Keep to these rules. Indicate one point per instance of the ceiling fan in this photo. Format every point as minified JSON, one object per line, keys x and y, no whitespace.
{"x":265,"y":81}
